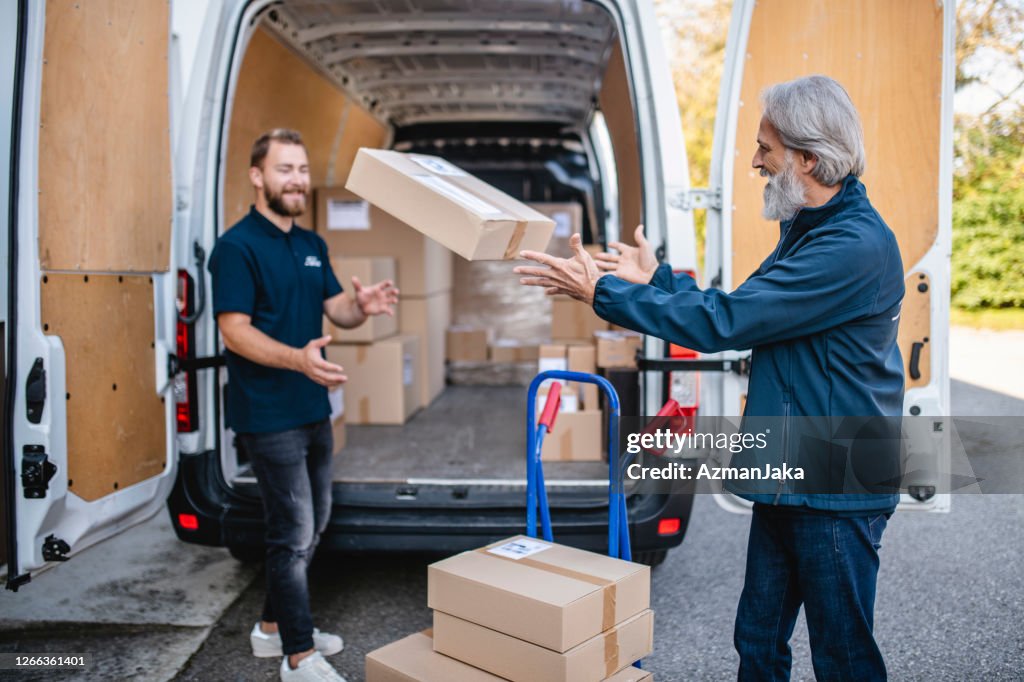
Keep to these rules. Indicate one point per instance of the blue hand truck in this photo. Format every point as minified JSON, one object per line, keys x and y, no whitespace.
{"x":536,"y":494}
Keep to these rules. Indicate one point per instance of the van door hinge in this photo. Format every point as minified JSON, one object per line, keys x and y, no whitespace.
{"x":36,"y":471}
{"x":698,"y":198}
{"x":55,"y":549}
{"x":35,"y":392}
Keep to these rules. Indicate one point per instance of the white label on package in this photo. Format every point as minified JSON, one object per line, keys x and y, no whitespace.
{"x":519,"y":549}
{"x":336,"y":398}
{"x":407,"y":370}
{"x":348,"y":215}
{"x":563,"y":224}
{"x":442,"y":186}
{"x":436,"y":165}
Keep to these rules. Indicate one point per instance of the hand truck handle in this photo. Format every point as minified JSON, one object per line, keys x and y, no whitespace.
{"x":554,"y":401}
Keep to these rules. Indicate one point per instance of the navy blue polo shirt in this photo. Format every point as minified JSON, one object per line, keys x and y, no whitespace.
{"x":280,"y":279}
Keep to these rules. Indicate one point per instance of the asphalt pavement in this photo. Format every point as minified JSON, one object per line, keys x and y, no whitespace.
{"x":950,"y":597}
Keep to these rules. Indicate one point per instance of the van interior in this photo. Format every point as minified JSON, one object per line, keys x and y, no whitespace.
{"x":531,"y":96}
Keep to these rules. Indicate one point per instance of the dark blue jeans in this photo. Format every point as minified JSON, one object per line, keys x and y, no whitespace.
{"x":828,"y":564}
{"x":293,"y":469}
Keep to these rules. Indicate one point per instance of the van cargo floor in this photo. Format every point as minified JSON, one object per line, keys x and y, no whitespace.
{"x":468,"y":432}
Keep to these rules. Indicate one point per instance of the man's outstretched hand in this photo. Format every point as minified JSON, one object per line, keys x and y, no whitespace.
{"x":377,"y":299}
{"x":310,"y":362}
{"x":576,"y":276}
{"x":634,"y":264}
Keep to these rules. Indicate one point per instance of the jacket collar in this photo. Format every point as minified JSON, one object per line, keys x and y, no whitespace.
{"x":808,"y":218}
{"x":265,"y":225}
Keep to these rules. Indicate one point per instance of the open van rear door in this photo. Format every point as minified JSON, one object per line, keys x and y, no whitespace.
{"x":896,"y":60}
{"x":89,"y":447}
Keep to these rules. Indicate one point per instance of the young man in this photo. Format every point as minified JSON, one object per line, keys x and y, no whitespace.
{"x":272,"y":284}
{"x":821,"y":315}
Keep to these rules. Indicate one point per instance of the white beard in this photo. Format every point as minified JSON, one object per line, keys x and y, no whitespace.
{"x":784,"y":194}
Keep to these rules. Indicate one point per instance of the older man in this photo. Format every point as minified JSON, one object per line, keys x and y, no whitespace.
{"x":821,"y":315}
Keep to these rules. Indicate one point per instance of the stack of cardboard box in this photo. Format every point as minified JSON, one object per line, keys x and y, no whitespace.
{"x":526,"y":610}
{"x":395,"y":365}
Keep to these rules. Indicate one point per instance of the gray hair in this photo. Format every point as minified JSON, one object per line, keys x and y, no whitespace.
{"x":815,"y":115}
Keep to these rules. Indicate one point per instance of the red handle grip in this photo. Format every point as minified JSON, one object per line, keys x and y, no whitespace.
{"x":547,"y":417}
{"x":670,"y":409}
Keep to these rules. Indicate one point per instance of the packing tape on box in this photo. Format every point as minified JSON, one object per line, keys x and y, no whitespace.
{"x":608,"y":587}
{"x":517,"y":238}
{"x":361,"y":352}
{"x":611,"y":653}
{"x":364,"y":410}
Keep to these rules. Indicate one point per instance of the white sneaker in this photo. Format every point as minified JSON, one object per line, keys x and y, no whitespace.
{"x":313,"y":668}
{"x":266,"y":645}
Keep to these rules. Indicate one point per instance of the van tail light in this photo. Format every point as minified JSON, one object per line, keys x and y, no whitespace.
{"x":185,"y":400}
{"x":684,"y":387}
{"x":191,"y":522}
{"x":669,"y":526}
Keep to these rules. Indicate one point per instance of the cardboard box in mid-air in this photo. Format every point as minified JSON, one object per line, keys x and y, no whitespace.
{"x":447,"y":204}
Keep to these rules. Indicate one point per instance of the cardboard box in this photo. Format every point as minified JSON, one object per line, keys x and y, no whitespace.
{"x":336,"y":398}
{"x":383,"y":385}
{"x":574,"y":320}
{"x":593,"y":660}
{"x":577,"y":437}
{"x":550,"y":595}
{"x":369,"y":271}
{"x":428,"y":318}
{"x":568,"y":217}
{"x":351,"y":227}
{"x":631,"y":674}
{"x":617,"y":349}
{"x":511,"y":350}
{"x":455,"y":209}
{"x":584,"y":359}
{"x":467,"y":344}
{"x":413,"y":659}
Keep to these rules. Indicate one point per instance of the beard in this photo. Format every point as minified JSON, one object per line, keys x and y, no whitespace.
{"x":287,"y":207}
{"x":784,"y":194}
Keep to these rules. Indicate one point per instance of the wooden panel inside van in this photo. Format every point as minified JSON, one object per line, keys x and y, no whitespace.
{"x":277,"y":89}
{"x":616,"y":102}
{"x":116,"y":424}
{"x":104,"y":139}
{"x":888,"y":56}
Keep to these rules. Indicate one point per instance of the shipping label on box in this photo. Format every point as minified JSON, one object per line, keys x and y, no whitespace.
{"x":382,"y":386}
{"x":369,"y":270}
{"x":343,"y":214}
{"x":555,"y":598}
{"x":593,"y":660}
{"x":452,"y":207}
{"x":568,"y":219}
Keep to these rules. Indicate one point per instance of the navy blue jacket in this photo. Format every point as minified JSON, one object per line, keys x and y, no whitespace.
{"x":820,"y":313}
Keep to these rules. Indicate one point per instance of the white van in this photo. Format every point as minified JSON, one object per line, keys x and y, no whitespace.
{"x":119,"y":185}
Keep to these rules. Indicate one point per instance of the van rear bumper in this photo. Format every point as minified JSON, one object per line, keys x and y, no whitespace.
{"x":227,"y":518}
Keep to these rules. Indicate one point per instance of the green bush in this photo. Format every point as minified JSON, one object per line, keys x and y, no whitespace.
{"x":988,"y":214}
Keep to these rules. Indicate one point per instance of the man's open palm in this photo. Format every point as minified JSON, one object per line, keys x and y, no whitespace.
{"x":377,"y":299}
{"x":634,"y":264}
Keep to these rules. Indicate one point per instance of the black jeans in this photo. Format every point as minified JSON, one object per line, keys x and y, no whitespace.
{"x":828,"y":564}
{"x":293,"y":469}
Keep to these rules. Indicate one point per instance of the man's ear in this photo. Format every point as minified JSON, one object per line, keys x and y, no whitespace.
{"x":806,"y":161}
{"x":256,"y":177}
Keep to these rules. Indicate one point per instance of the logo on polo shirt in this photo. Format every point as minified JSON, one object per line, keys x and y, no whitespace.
{"x":312,"y":262}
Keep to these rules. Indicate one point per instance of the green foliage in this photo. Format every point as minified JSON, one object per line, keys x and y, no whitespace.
{"x":988,"y":213}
